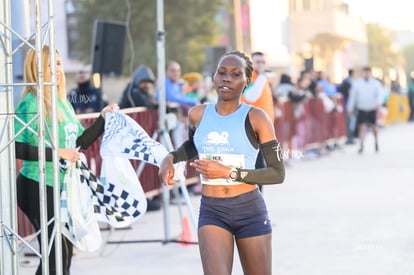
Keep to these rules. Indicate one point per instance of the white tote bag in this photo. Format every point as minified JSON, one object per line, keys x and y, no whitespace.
{"x":80,"y":222}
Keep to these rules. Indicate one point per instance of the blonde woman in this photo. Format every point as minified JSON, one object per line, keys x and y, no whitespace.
{"x":71,"y":136}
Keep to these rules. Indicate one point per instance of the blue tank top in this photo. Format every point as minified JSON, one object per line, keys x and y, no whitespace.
{"x":224,"y":139}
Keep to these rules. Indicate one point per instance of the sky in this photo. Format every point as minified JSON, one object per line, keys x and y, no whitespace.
{"x":266,"y":29}
{"x":395,"y":14}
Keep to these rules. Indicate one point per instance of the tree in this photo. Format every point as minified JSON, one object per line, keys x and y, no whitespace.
{"x":408,"y":53}
{"x":381,"y":52}
{"x":189,"y":26}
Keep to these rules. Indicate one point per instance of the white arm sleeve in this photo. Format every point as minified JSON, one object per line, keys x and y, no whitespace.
{"x":253,"y":92}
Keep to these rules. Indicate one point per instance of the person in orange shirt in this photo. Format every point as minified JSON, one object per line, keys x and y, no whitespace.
{"x":259,"y":94}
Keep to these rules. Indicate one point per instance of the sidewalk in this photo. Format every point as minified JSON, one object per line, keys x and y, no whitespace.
{"x":343,"y":213}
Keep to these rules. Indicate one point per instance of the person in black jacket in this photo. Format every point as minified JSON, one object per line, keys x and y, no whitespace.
{"x":344,"y":89}
{"x":86,"y":98}
{"x":140,"y":91}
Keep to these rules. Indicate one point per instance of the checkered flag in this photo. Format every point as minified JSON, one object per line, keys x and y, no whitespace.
{"x":124,"y":137}
{"x":118,"y":197}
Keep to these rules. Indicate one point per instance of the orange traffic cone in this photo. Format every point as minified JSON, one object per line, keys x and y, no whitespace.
{"x":186,"y":236}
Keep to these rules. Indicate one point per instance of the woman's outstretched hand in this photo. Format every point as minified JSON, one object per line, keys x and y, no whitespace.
{"x":166,"y":171}
{"x":110,"y":108}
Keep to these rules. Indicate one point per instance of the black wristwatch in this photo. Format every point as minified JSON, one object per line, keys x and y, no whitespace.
{"x":234,"y":174}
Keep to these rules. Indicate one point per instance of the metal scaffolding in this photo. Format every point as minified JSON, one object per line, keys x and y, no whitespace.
{"x":13,"y":45}
{"x":11,"y":243}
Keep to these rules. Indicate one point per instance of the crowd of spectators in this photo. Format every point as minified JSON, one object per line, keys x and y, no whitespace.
{"x":343,"y":100}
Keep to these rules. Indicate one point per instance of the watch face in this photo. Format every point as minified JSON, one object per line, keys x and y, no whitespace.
{"x":233,"y":175}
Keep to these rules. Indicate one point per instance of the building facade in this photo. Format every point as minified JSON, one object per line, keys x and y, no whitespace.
{"x":321,"y":34}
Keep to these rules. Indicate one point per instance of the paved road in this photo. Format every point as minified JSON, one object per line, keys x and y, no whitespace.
{"x":343,"y":213}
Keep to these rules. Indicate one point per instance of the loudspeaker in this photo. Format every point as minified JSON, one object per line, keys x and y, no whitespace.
{"x":108,"y":47}
{"x":213,"y":55}
{"x":308,"y":63}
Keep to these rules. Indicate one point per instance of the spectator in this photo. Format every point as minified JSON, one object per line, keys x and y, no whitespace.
{"x":195,"y":87}
{"x":174,"y":91}
{"x":312,"y":75}
{"x":395,"y":87}
{"x":177,"y":102}
{"x":344,"y":89}
{"x":285,"y":86}
{"x":85,"y":98}
{"x":259,"y":94}
{"x":326,"y":85}
{"x":298,"y":96}
{"x":346,"y":85}
{"x":140,"y":91}
{"x":366,"y":96}
{"x":411,"y":99}
{"x":211,"y":92}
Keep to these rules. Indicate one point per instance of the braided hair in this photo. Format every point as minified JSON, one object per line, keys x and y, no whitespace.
{"x":249,"y":65}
